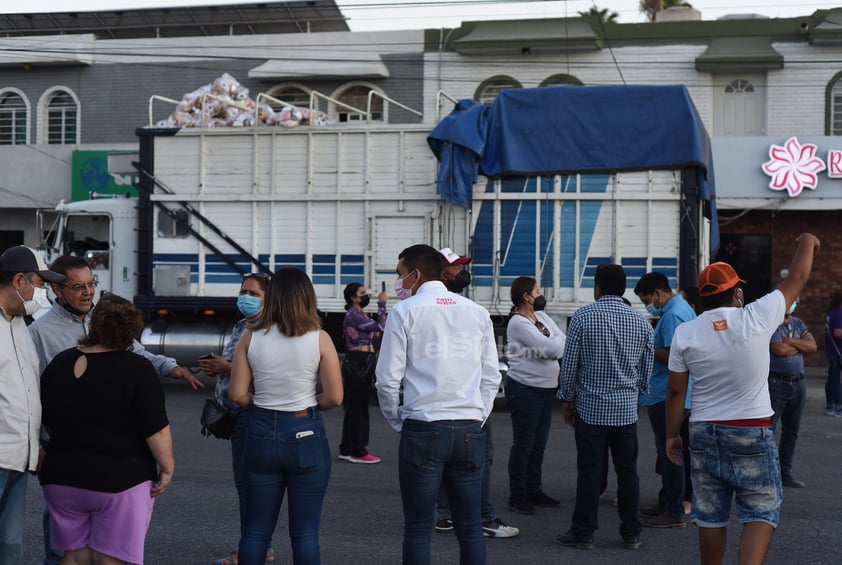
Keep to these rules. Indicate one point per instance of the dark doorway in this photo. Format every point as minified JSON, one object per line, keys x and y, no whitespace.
{"x":751,"y":257}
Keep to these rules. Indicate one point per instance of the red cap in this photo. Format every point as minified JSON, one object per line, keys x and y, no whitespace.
{"x":718,"y":277}
{"x":448,"y":258}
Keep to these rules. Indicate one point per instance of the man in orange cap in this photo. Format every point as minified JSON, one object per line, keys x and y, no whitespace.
{"x":726,"y":349}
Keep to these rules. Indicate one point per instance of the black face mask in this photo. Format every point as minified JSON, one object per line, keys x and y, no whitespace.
{"x":459,"y":282}
{"x":364,"y":300}
{"x":539,"y":303}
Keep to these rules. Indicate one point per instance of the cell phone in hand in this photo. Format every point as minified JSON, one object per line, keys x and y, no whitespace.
{"x":208,"y":356}
{"x":383,"y":286}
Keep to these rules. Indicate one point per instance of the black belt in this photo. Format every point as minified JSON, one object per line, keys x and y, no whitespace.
{"x":784,"y":377}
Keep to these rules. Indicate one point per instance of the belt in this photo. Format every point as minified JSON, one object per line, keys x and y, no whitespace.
{"x":301,"y":413}
{"x":784,"y":377}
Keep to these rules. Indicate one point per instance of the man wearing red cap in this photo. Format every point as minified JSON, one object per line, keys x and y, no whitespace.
{"x":456,"y":279}
{"x":726,"y":349}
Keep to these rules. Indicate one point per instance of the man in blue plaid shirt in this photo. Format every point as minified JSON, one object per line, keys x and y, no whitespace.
{"x":607,"y":361}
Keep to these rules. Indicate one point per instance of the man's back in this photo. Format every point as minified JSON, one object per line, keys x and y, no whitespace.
{"x":442,"y":346}
{"x":607,"y":360}
{"x":727,"y":352}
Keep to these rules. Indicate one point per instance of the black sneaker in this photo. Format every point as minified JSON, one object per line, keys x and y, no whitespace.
{"x":569,"y":540}
{"x":631,"y":542}
{"x":520,"y":505}
{"x":540,"y":498}
{"x":792,"y":482}
{"x":444,"y":525}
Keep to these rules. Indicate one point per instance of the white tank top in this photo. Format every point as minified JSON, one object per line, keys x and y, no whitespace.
{"x":285,"y":369}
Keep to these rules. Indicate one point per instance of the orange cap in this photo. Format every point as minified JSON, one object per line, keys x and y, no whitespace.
{"x":718,"y":277}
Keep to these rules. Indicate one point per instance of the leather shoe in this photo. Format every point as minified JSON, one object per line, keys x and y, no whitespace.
{"x":790,"y":481}
{"x":540,"y":498}
{"x":569,"y":540}
{"x":520,"y":505}
{"x":653,"y":510}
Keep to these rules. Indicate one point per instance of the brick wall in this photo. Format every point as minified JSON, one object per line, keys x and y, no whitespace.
{"x":784,"y":228}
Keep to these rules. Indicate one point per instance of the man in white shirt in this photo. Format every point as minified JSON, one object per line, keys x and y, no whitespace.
{"x":726,"y":348}
{"x":22,"y":277}
{"x":441,"y":347}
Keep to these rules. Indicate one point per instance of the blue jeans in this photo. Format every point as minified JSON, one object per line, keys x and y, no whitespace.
{"x":531,"y":409}
{"x":487,"y":509}
{"x":671,"y":496}
{"x":448,"y":452}
{"x":729,"y":461}
{"x":590,"y":446}
{"x":833,"y":388}
{"x":12,"y":510}
{"x":788,"y":403}
{"x":238,"y":444}
{"x":284,"y":453}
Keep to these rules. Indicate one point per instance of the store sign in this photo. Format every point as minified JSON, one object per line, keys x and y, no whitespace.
{"x":794,"y":166}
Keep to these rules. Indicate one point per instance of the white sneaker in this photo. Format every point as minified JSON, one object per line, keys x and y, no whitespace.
{"x":497,"y":529}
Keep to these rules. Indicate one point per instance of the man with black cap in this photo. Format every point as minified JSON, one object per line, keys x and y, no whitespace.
{"x":726,"y":348}
{"x":23,"y":274}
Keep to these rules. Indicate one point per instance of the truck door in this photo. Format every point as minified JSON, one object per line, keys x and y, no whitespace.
{"x":390,"y":236}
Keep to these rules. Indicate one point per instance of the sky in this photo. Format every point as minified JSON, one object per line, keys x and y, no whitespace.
{"x":415,"y":14}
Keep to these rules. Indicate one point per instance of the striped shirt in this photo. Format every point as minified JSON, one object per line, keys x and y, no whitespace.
{"x":607,"y":361}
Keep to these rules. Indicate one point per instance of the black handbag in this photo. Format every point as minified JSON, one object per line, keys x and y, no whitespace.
{"x":216,"y":421}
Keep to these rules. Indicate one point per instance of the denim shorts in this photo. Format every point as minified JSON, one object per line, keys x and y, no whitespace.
{"x":730,"y":461}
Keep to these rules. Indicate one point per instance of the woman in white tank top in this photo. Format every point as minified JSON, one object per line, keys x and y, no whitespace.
{"x":286,"y":451}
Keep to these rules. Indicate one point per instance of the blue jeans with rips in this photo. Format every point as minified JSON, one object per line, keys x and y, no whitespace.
{"x":284,"y":453}
{"x":12,"y":510}
{"x":590,"y":447}
{"x":734,"y":462}
{"x":671,"y":496}
{"x":448,"y":452}
{"x":788,"y":403}
{"x":531,"y":409}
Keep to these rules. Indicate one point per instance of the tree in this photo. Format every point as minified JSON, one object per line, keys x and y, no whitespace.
{"x":652,"y":7}
{"x":604,"y":15}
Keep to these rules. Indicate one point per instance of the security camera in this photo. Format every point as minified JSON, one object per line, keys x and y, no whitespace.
{"x":805,"y":27}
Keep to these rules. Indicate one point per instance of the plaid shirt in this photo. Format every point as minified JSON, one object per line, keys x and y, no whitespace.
{"x":607,"y":361}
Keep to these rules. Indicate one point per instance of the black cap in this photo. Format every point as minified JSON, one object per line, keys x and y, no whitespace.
{"x":23,"y":259}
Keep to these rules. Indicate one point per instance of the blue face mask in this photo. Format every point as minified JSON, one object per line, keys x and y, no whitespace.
{"x":654,"y":312}
{"x":248,"y":305}
{"x":792,"y":308}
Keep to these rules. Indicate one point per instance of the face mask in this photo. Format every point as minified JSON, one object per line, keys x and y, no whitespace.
{"x":248,"y":305}
{"x":654,"y":312}
{"x":459,"y":282}
{"x":39,"y":296}
{"x":740,"y":299}
{"x":792,"y":308}
{"x":539,"y":303}
{"x":400,"y":291}
{"x":364,"y":301}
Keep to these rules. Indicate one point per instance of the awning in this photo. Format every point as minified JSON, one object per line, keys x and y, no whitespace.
{"x":320,"y":68}
{"x":739,"y":54}
{"x":523,"y":36}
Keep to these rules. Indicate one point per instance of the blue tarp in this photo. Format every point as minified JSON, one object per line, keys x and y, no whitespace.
{"x":573,"y":129}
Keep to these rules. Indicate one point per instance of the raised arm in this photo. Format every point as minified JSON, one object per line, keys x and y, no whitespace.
{"x":800,"y":267}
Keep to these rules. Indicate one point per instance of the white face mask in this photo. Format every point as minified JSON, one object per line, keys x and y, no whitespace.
{"x":39,"y":297}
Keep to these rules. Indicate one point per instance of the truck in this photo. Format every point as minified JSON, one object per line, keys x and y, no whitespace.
{"x":557,"y":181}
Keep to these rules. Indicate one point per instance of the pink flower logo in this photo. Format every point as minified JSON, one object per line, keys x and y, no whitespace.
{"x":793,"y":167}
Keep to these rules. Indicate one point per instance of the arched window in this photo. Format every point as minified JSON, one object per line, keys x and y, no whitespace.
{"x":739,"y":105}
{"x":291,"y":93}
{"x":14,"y":118}
{"x":488,"y":90}
{"x":58,"y":117}
{"x":739,"y":86}
{"x":833,"y":106}
{"x":356,"y":95}
{"x":561,"y":79}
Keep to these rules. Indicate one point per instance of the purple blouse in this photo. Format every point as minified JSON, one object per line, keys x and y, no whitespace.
{"x":359,"y":328}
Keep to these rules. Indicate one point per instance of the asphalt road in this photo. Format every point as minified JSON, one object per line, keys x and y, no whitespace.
{"x":196,"y":520}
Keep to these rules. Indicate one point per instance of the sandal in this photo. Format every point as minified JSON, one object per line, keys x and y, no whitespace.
{"x":270,"y":557}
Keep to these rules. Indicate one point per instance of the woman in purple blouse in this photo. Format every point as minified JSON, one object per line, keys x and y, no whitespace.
{"x":358,"y":371}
